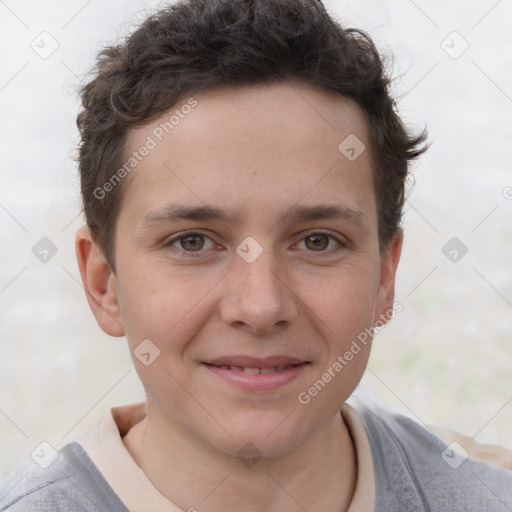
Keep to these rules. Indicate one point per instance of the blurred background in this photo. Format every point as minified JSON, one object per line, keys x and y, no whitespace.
{"x":445,"y":359}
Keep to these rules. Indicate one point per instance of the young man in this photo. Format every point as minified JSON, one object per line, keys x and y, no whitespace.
{"x":242,"y":170}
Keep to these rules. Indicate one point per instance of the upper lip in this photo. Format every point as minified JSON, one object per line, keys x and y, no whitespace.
{"x":255,"y":362}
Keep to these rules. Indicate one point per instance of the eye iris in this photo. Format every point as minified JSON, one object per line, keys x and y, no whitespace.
{"x":192,"y":242}
{"x":319,"y":241}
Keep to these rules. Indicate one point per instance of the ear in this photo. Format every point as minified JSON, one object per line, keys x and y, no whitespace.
{"x":99,"y":283}
{"x":388,"y":266}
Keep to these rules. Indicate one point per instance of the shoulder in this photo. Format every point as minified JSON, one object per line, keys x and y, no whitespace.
{"x":72,"y":482}
{"x":416,"y":470}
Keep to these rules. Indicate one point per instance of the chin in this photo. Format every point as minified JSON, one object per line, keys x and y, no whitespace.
{"x":261,"y":435}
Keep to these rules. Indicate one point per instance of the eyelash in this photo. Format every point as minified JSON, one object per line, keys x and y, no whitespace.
{"x":343,"y":243}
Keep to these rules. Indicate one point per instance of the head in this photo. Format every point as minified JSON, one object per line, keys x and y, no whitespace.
{"x":264,"y":135}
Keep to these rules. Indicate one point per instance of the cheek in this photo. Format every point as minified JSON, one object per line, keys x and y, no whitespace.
{"x":163,"y":306}
{"x":344,"y":302}
{"x":344,"y":308}
{"x":161,"y":315}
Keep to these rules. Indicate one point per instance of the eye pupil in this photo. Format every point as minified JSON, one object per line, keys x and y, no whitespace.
{"x":192,"y":242}
{"x":319,"y":241}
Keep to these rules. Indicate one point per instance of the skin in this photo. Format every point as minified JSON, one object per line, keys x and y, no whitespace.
{"x":256,"y":151}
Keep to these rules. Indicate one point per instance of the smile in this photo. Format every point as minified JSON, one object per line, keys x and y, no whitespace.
{"x":256,"y":370}
{"x":255,"y":378}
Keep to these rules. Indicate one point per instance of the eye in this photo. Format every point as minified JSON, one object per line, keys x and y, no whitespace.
{"x":319,"y":242}
{"x":194,"y":243}
{"x":190,"y":242}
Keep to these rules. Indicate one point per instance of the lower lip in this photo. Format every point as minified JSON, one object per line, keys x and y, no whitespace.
{"x":258,"y":381}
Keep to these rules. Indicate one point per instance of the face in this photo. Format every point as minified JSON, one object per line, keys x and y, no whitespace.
{"x":247,"y":253}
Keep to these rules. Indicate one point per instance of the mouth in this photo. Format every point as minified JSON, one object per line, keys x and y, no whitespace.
{"x":256,"y":374}
{"x":256,"y":369}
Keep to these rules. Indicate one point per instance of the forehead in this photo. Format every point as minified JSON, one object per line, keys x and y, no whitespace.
{"x":298,"y":110}
{"x":262,"y":143}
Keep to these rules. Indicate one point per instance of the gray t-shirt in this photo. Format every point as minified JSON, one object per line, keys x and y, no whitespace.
{"x":414,"y":471}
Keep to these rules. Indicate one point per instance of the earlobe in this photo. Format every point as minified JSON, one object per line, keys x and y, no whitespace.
{"x":389,"y":264}
{"x":99,"y":283}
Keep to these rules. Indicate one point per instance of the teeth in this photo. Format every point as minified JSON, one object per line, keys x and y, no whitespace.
{"x":250,"y":370}
{"x":279,"y":368}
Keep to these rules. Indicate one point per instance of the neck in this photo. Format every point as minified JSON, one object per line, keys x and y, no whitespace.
{"x":319,"y":474}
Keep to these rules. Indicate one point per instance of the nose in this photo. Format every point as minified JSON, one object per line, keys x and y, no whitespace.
{"x":259,"y":296}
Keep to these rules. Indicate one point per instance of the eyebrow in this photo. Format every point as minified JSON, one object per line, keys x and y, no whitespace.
{"x":174,"y":212}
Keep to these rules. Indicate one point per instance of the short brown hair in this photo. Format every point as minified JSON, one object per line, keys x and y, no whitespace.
{"x":194,"y":45}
